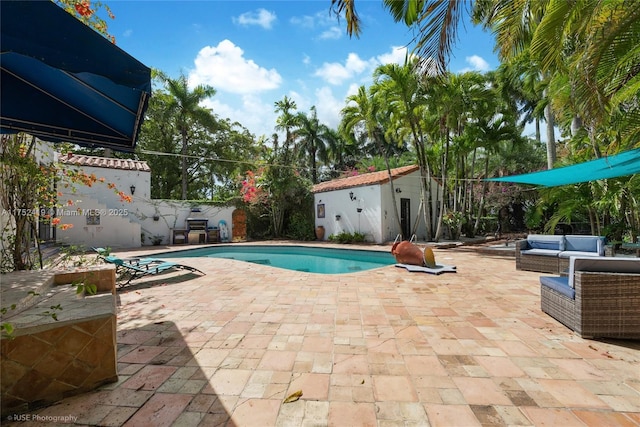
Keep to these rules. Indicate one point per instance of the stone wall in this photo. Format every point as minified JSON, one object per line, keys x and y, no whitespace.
{"x":47,"y":360}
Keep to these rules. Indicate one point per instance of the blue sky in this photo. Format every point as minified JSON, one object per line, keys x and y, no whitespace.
{"x":256,"y":52}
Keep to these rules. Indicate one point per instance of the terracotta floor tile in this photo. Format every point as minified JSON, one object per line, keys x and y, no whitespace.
{"x":424,"y":365}
{"x":350,"y":364}
{"x":451,"y":415}
{"x":149,"y":377}
{"x":277,"y":360}
{"x":500,"y":366}
{"x":256,"y":412}
{"x":352,"y":414}
{"x":229,"y":381}
{"x":481,"y":391}
{"x":161,"y":410}
{"x":383,"y":348}
{"x":391,"y":388}
{"x":572,"y":394}
{"x":313,"y":386}
{"x":552,"y":417}
{"x":141,"y":354}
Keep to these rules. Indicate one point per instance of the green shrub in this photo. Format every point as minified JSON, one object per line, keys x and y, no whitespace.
{"x":300,"y":227}
{"x":345,"y":237}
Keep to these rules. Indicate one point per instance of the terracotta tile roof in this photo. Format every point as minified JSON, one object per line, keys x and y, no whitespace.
{"x":104,"y":162}
{"x":372,"y":178}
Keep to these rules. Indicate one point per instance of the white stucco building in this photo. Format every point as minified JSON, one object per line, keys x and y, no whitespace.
{"x":364,"y":203}
{"x":101,"y":217}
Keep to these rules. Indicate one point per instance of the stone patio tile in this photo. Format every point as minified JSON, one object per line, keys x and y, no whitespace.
{"x":161,"y":410}
{"x":392,"y":388}
{"x":229,"y":381}
{"x":572,"y":394}
{"x":381,"y":348}
{"x":451,"y":415}
{"x":149,"y":377}
{"x":256,"y":412}
{"x":552,"y":417}
{"x":117,"y":416}
{"x":352,"y":414}
{"x":313,"y":386}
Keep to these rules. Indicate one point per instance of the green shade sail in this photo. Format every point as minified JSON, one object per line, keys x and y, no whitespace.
{"x":623,"y":164}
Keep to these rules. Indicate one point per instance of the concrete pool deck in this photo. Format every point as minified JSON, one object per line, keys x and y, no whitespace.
{"x":382,"y":347}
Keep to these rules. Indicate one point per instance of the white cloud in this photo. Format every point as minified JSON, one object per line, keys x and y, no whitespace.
{"x":305,"y":21}
{"x":328,"y":107}
{"x":477,"y":63}
{"x":319,"y":20}
{"x":260,"y":17}
{"x":252,"y":113}
{"x":397,"y":55}
{"x":335,"y":73}
{"x":226,"y":69}
{"x":333,"y":33}
{"x":127,"y":33}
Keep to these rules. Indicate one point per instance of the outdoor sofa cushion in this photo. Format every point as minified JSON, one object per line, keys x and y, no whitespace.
{"x":582,"y":246}
{"x":543,"y":241}
{"x":565,"y":285}
{"x":602,"y":265}
{"x":559,"y":284}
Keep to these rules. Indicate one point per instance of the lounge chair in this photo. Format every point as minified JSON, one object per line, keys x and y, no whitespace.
{"x":135,"y":268}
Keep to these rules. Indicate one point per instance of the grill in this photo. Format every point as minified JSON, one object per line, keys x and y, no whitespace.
{"x":197,"y":230}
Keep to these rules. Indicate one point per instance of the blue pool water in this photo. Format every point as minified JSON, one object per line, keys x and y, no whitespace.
{"x":298,"y":258}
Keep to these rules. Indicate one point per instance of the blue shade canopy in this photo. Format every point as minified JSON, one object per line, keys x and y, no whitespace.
{"x":63,"y":82}
{"x":623,"y":164}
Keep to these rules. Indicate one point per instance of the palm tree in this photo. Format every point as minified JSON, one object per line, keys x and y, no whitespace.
{"x":286,"y":121}
{"x":404,"y":97}
{"x":311,"y":137}
{"x":436,"y":22}
{"x":362,"y":110}
{"x":186,"y":108}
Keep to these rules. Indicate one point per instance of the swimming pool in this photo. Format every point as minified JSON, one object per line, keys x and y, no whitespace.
{"x":298,"y":258}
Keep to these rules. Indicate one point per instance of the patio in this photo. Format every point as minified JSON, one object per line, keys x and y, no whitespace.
{"x":383,"y":347}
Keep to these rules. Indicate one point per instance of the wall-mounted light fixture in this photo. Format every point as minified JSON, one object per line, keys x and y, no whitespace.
{"x":338,"y":217}
{"x":398,"y":190}
{"x":133,"y":189}
{"x":352,"y":196}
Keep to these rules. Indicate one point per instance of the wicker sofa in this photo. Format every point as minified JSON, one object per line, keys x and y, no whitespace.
{"x":550,"y":254}
{"x":599,"y":298}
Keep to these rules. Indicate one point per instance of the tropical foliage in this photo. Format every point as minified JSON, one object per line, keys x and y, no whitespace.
{"x":571,"y":67}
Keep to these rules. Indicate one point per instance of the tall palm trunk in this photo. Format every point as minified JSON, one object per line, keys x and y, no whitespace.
{"x":551,"y":137}
{"x":184,"y":151}
{"x":444,"y":187}
{"x":485,"y":183}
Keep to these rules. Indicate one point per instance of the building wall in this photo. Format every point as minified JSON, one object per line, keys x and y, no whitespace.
{"x":126,"y":224}
{"x":376,"y":220}
{"x":341,"y":213}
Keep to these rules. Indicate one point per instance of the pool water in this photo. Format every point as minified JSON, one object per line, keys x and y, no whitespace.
{"x":298,"y":258}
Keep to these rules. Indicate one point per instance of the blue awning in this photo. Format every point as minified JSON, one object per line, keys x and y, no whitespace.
{"x":623,"y":164}
{"x":63,"y":82}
